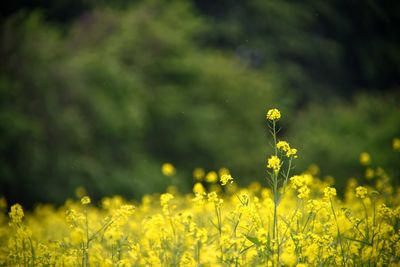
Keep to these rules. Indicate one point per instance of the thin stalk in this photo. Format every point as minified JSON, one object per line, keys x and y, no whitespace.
{"x":274,"y":136}
{"x":198,"y":253}
{"x":276,"y":194}
{"x":32,"y":252}
{"x":86,"y":246}
{"x":338,"y":231}
{"x":366,"y":220}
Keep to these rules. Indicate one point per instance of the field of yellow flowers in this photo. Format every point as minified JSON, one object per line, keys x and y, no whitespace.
{"x":292,"y":220}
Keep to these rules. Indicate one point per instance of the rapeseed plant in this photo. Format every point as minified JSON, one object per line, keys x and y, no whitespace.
{"x":297,"y":220}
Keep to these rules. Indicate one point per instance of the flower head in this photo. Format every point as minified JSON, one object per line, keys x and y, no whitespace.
{"x":168,"y":169}
{"x":361,"y":192}
{"x":369,"y":173}
{"x":329,"y":192}
{"x":198,"y":188}
{"x":285,"y":147}
{"x":166,"y":198}
{"x":226,"y":178}
{"x":16,"y":214}
{"x":365,"y":158}
{"x":211,"y":177}
{"x":85,"y":200}
{"x":273,"y":114}
{"x":303,"y":192}
{"x":274,"y":163}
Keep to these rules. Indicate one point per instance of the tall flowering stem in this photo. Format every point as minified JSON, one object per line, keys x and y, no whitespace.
{"x":274,"y":167}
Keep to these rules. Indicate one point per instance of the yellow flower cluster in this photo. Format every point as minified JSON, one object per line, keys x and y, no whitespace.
{"x":361,"y":192}
{"x":285,"y":147}
{"x":211,"y":177}
{"x":168,"y":169}
{"x":329,"y":192}
{"x":226,"y":178}
{"x":219,"y":230}
{"x":274,"y":163}
{"x":296,"y":221}
{"x":300,"y":183}
{"x":85,"y":200}
{"x":16,"y":214}
{"x":273,"y":114}
{"x":365,"y":158}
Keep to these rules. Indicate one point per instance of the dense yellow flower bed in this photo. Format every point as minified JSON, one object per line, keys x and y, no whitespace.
{"x":292,"y":221}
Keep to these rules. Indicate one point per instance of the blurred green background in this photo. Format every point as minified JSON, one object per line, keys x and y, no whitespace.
{"x":100,"y":93}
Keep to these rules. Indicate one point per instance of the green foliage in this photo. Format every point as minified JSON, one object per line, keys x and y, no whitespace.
{"x":124,"y":91}
{"x":317,"y":48}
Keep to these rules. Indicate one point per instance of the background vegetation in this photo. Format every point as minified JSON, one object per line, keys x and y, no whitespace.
{"x":100,"y":95}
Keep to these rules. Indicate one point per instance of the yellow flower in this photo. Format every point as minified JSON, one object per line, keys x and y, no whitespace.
{"x":304,"y":192}
{"x":365,"y":158}
{"x":329,"y":192}
{"x":273,"y":114}
{"x":85,"y":200}
{"x":187,"y":260}
{"x":198,"y":198}
{"x":396,"y":144}
{"x":288,"y":258}
{"x":361,"y":192}
{"x":168,"y":169}
{"x":213,"y":198}
{"x":198,"y":174}
{"x":291,"y":152}
{"x":274,"y":163}
{"x":369,"y":173}
{"x":226,"y":178}
{"x":166,"y":198}
{"x":198,"y":188}
{"x":16,"y":214}
{"x":285,"y":147}
{"x":211,"y":177}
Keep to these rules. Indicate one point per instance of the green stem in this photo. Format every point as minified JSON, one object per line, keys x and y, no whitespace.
{"x":366,"y":220}
{"x":276,"y":196}
{"x":198,"y":253}
{"x":86,"y":244}
{"x":338,"y":232}
{"x":274,"y":136}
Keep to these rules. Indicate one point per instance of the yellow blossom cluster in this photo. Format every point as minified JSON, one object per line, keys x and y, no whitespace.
{"x":300,"y":183}
{"x":226,"y":178}
{"x":273,"y":114}
{"x":221,"y":229}
{"x":274,"y":163}
{"x":361,"y":192}
{"x":365,"y":158}
{"x":168,"y":169}
{"x":295,"y":220}
{"x":285,"y":147}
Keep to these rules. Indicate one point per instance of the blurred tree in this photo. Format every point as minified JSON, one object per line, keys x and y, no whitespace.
{"x":123,"y":92}
{"x":319,"y":49}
